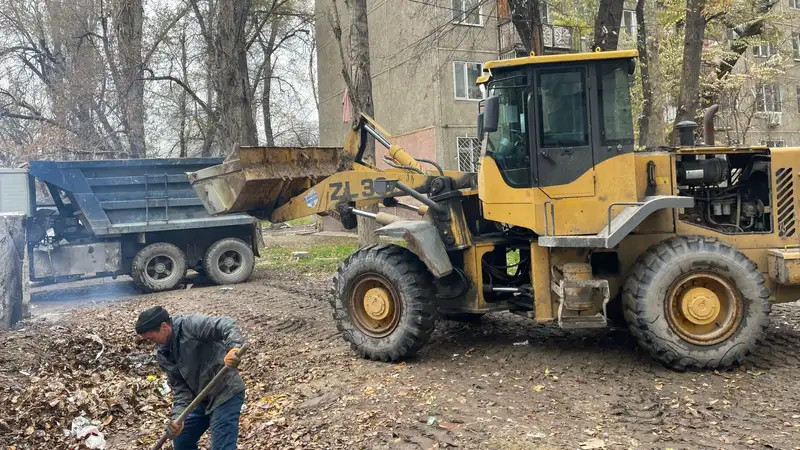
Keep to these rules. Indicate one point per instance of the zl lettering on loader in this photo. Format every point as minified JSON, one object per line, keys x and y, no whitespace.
{"x":690,"y":245}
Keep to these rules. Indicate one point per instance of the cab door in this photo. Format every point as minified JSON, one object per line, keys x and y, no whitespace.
{"x":562,"y":138}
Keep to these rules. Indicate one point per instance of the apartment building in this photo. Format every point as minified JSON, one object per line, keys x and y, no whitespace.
{"x":767,"y":110}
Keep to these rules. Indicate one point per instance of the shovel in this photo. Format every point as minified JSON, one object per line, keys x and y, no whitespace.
{"x":199,"y":398}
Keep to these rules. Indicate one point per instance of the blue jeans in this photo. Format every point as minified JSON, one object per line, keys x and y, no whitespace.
{"x":223,"y":421}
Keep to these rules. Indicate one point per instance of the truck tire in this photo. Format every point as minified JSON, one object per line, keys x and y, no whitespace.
{"x":228,"y":261}
{"x":694,"y":302}
{"x":383,"y":302}
{"x":158,"y":267}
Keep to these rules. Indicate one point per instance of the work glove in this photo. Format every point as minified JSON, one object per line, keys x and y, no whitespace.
{"x":173,"y":429}
{"x":232,"y":359}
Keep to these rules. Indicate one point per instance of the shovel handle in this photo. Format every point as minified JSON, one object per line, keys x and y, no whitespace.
{"x":200,"y":397}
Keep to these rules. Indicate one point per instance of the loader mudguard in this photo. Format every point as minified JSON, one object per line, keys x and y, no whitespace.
{"x":424,"y":241}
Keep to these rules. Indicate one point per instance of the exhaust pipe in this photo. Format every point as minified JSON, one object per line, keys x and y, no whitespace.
{"x":708,"y":124}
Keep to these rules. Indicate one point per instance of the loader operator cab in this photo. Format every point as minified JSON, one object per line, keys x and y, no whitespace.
{"x":548,"y":119}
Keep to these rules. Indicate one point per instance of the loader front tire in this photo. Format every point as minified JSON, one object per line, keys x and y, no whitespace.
{"x":383,"y":302}
{"x":694,"y":302}
{"x":158,"y":267}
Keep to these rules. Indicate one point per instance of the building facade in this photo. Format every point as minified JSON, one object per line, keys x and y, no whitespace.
{"x":425,"y":58}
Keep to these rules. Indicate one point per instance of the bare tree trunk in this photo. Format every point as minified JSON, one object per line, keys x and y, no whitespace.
{"x":644,"y":68}
{"x":266,"y":100}
{"x":230,"y":75}
{"x":527,"y":19}
{"x":129,"y":21}
{"x":361,"y":96}
{"x":249,"y":133}
{"x":311,"y":72}
{"x":607,"y":24}
{"x":183,"y":99}
{"x":692,"y":51}
{"x":537,"y":37}
{"x":656,"y":126}
{"x":266,"y":88}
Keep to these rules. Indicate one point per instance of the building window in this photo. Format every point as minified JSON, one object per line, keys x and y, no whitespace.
{"x":768,"y":98}
{"x":773,"y":143}
{"x":469,"y":153}
{"x":798,"y":98}
{"x":465,"y":75}
{"x":467,"y":12}
{"x":763,"y":50}
{"x":796,"y":45}
{"x":794,"y":4}
{"x":628,"y":24}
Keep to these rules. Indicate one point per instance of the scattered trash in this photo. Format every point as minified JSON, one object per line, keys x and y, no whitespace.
{"x":301,"y":255}
{"x":164,"y":389}
{"x":97,"y":442}
{"x":432,"y":420}
{"x":189,"y":286}
{"x":97,"y":339}
{"x":226,"y":288}
{"x":538,"y":388}
{"x":85,"y":430}
{"x":536,"y":435}
{"x":518,"y":344}
{"x":593,"y":444}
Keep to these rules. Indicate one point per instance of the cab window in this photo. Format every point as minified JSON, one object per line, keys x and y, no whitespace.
{"x":509,"y":146}
{"x":615,"y":104}
{"x":563,"y":106}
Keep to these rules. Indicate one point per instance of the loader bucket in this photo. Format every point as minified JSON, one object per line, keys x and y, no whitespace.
{"x":257,"y":180}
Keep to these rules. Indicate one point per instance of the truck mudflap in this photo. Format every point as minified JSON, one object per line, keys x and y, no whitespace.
{"x":258,"y":239}
{"x":424,"y":241}
{"x":257,"y":180}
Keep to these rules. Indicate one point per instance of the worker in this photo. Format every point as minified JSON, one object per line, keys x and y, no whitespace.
{"x":191,"y":350}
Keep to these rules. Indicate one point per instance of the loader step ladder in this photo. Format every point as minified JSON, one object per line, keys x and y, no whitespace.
{"x":621,"y":225}
{"x":148,"y":197}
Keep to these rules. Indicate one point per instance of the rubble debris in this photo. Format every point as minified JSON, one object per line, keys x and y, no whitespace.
{"x":301,"y":255}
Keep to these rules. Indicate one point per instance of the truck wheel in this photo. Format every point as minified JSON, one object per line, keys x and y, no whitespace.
{"x":383,"y":302}
{"x":696,"y":302}
{"x":158,"y":267}
{"x":228,"y":261}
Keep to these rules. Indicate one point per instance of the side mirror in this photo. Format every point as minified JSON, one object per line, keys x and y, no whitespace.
{"x":480,"y":125}
{"x":491,"y":114}
{"x":631,"y":66}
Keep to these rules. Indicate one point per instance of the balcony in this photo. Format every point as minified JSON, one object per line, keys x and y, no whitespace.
{"x":557,"y":39}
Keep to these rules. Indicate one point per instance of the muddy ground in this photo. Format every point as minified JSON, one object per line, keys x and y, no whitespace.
{"x":504,"y":383}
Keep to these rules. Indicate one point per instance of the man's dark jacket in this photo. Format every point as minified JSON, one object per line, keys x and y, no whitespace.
{"x":193,"y":356}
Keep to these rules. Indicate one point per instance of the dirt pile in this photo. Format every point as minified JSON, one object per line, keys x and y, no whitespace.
{"x":76,"y":374}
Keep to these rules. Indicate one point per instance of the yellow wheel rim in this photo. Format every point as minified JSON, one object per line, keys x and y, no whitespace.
{"x":704,"y":308}
{"x":374,"y":305}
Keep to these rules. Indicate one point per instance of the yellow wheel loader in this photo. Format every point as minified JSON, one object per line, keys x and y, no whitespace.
{"x":564,"y":223}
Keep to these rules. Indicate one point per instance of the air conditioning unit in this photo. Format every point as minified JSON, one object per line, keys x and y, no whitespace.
{"x":774,"y":119}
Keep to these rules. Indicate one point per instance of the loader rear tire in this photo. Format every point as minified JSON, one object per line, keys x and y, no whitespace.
{"x":228,"y":261}
{"x":694,"y":302}
{"x":158,"y":267}
{"x":383,"y":302}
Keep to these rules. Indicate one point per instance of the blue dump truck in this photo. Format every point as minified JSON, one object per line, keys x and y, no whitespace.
{"x":126,"y":217}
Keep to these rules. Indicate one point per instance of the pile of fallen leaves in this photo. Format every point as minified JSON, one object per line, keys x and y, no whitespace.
{"x":76,"y":375}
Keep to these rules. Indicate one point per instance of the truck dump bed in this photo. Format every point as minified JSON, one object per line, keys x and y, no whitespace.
{"x":258,"y":180}
{"x":131,"y":196}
